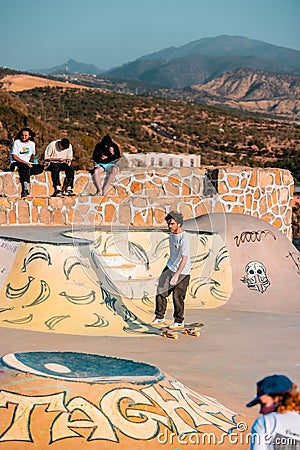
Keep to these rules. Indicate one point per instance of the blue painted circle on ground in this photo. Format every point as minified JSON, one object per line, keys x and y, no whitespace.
{"x":82,"y":367}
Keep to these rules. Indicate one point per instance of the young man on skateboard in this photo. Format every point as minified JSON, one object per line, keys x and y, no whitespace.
{"x":176,"y":275}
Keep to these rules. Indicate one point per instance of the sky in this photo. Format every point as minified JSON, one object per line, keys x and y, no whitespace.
{"x":39,"y":34}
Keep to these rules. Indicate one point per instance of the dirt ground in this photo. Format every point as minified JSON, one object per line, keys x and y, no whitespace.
{"x":17,"y":83}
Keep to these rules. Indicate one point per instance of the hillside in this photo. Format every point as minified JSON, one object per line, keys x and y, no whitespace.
{"x":202,"y":60}
{"x":221,"y":136}
{"x":254,"y":91}
{"x":72,"y":67}
{"x":274,"y":95}
{"x":23,"y":82}
{"x":232,"y":71}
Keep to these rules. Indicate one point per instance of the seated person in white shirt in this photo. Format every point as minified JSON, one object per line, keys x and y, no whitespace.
{"x":58,"y":157}
{"x":21,"y":152}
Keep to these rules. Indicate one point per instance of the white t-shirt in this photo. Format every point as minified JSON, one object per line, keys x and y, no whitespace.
{"x":53,"y":151}
{"x":24,"y":150}
{"x":276,"y":431}
{"x":179,"y":246}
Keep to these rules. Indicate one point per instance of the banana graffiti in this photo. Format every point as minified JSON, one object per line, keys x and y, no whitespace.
{"x":43,"y":295}
{"x":195,"y":285}
{"x":80,"y":299}
{"x":37,"y":252}
{"x":139,"y":252}
{"x":70,"y":263}
{"x":100,"y":322}
{"x":223,"y":254}
{"x":106,"y":286}
{"x":53,"y":321}
{"x":21,"y":320}
{"x":13,"y":293}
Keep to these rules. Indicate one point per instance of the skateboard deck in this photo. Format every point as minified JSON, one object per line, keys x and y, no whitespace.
{"x":192,"y":329}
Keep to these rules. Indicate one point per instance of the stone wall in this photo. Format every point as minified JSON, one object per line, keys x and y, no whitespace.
{"x":141,"y":197}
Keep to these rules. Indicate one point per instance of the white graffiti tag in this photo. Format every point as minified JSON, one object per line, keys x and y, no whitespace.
{"x":135,"y":413}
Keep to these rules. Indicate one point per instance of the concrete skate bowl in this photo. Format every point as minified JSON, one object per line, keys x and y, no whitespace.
{"x":265,"y":264}
{"x":63,"y":400}
{"x":101,"y":282}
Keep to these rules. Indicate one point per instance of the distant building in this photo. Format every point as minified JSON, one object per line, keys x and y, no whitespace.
{"x":161,"y":160}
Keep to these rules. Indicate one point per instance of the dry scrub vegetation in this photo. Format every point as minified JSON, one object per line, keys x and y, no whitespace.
{"x":220,"y":136}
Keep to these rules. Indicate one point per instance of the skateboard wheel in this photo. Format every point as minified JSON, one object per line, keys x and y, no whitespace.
{"x":170,"y":335}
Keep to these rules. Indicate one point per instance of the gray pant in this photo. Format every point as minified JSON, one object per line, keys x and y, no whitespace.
{"x":164,"y":289}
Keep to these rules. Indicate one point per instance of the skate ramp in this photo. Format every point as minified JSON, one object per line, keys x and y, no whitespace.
{"x":100,"y":282}
{"x":265,"y":264}
{"x":62,"y":400}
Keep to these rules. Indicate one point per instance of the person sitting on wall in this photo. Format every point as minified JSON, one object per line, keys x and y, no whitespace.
{"x":58,"y":158}
{"x":22,"y":150}
{"x":105,"y":155}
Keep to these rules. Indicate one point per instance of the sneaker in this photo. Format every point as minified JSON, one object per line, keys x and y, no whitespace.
{"x":157,"y":321}
{"x":57,"y":193}
{"x":24,"y":193}
{"x":69,"y":191}
{"x":95,"y":194}
{"x":177,"y":326}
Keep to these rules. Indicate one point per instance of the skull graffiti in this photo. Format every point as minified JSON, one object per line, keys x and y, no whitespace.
{"x":256,"y":276}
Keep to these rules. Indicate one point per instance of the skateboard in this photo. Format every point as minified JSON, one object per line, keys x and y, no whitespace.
{"x":192,"y":329}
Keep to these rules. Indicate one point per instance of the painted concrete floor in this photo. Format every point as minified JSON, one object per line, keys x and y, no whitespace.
{"x":234,"y":350}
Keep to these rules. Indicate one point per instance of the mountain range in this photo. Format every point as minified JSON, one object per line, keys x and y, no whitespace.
{"x":197,"y":62}
{"x":233,"y":71}
{"x":205,"y":59}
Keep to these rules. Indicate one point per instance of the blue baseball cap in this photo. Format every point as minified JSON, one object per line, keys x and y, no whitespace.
{"x":271,"y":385}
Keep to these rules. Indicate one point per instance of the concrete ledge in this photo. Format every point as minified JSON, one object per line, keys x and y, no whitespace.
{"x":142,"y":197}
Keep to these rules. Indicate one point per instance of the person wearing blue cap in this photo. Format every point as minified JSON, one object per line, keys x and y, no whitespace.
{"x":279,"y":425}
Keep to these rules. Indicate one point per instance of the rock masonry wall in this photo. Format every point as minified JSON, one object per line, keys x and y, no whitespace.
{"x":142,"y":197}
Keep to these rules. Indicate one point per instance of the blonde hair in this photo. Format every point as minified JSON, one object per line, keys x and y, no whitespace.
{"x":290,"y":402}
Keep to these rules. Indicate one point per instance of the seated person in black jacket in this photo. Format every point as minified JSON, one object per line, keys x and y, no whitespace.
{"x":106,"y":154}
